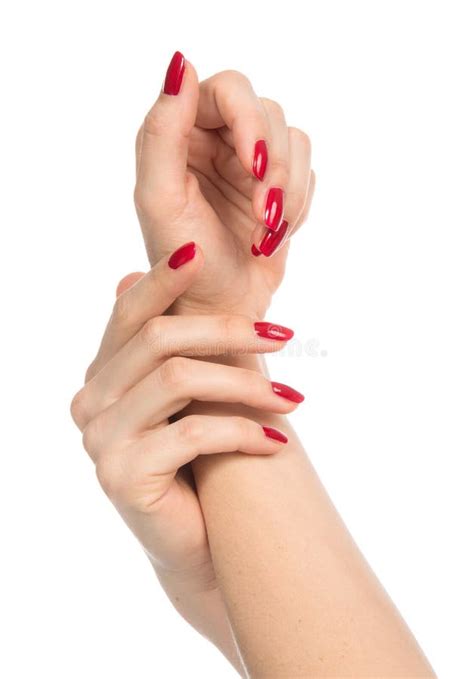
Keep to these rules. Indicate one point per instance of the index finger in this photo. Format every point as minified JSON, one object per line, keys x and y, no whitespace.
{"x":228,"y":99}
{"x":150,"y":296}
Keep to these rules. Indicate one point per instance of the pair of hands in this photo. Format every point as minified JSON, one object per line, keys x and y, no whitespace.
{"x":215,"y":165}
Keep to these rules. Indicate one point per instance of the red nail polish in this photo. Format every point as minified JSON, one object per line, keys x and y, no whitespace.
{"x":174,"y":74}
{"x":260,"y":159}
{"x":287,"y":392}
{"x":255,"y":251}
{"x":275,"y":434}
{"x":274,"y":208}
{"x":273,"y":239}
{"x":182,"y":255}
{"x":274,"y":332}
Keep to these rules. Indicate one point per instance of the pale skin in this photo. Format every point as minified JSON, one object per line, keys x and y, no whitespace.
{"x":257,"y":558}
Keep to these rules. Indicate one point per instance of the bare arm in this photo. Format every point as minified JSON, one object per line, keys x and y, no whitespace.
{"x":301,"y":598}
{"x":219,"y":165}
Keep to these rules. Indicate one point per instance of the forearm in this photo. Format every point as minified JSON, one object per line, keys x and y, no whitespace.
{"x":301,"y":600}
{"x":204,"y":609}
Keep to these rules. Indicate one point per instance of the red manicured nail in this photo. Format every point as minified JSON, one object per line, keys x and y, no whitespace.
{"x":274,"y":208}
{"x":182,"y":255}
{"x":260,"y":159}
{"x":255,"y":251}
{"x":275,"y":434}
{"x":174,"y":74}
{"x":271,"y":331}
{"x":287,"y":392}
{"x":273,"y":239}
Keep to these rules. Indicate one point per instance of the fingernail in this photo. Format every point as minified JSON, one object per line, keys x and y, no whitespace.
{"x":274,"y":208}
{"x":260,"y":159}
{"x":182,"y":255}
{"x":255,"y":251}
{"x":174,"y":74}
{"x":275,"y":434}
{"x":273,"y":239}
{"x":271,"y":331}
{"x":287,"y":392}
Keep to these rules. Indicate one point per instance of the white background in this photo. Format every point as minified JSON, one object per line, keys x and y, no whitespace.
{"x":381,"y":275}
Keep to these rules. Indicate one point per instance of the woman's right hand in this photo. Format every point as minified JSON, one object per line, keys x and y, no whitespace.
{"x":145,"y":373}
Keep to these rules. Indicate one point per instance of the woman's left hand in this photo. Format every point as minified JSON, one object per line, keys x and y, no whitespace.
{"x":145,"y":373}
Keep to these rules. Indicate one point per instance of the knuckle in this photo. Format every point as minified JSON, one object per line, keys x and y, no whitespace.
{"x":175,"y":371}
{"x":155,"y":124}
{"x":146,"y":203}
{"x":78,"y":409}
{"x":274,"y":108}
{"x":111,"y":476}
{"x":151,"y":334}
{"x":244,"y":427}
{"x":231,"y":326}
{"x":256,"y":382}
{"x":234,"y":77}
{"x":301,"y":138}
{"x":123,"y":310}
{"x":90,"y":372}
{"x":280,"y":168}
{"x":191,"y":429}
{"x":296,"y":198}
{"x":92,"y":436}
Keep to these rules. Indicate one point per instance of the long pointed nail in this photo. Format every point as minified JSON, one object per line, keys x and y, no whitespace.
{"x":174,"y":74}
{"x":272,"y":331}
{"x":273,"y":239}
{"x":260,"y":159}
{"x":274,"y":208}
{"x":287,"y":392}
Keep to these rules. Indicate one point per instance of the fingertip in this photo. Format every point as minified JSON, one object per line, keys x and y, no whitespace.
{"x":127,"y":282}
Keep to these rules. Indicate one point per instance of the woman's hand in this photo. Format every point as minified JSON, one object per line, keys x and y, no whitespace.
{"x":145,"y":373}
{"x":219,"y":165}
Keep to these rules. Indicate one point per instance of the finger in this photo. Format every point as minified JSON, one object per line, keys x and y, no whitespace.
{"x":227,"y":100}
{"x":137,"y":476}
{"x":162,"y":145}
{"x":177,"y":382}
{"x":150,"y":296}
{"x":307,"y":207}
{"x":127,"y":282}
{"x":166,"y":450}
{"x":229,"y":169}
{"x":166,"y":336}
{"x":269,"y":197}
{"x":300,"y":174}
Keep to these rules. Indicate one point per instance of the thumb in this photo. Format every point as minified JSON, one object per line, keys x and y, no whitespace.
{"x":162,"y":144}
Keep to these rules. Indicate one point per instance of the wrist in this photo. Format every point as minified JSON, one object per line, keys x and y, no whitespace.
{"x":254,"y":309}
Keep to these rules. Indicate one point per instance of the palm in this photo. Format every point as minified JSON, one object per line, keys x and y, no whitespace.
{"x":218,"y":215}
